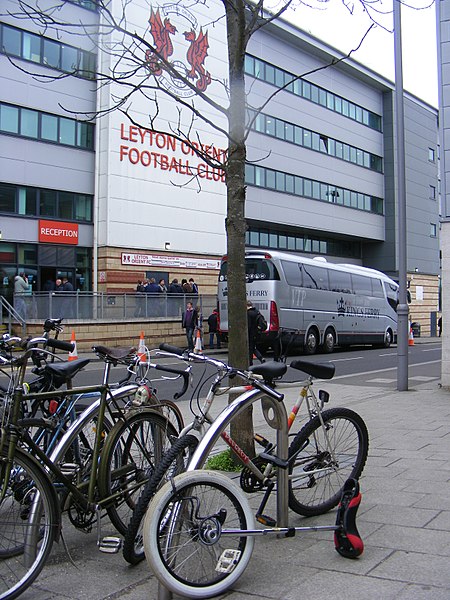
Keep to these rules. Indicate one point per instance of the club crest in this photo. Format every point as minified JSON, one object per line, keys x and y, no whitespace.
{"x":183,"y":44}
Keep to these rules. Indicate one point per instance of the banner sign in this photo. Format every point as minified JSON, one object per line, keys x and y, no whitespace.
{"x":57,"y":232}
{"x":156,"y":260}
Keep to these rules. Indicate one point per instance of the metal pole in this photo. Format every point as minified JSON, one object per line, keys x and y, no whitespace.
{"x":402,"y":309}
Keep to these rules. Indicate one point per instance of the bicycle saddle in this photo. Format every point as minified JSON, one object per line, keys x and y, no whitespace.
{"x":320,"y":370}
{"x":269,"y":370}
{"x":66,"y":370}
{"x":115,"y":355}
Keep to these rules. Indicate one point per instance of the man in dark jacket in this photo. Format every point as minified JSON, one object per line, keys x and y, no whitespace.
{"x":213,"y":324}
{"x":189,"y":322}
{"x":252,"y":325}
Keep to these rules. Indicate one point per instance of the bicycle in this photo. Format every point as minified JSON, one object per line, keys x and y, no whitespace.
{"x":317,"y":470}
{"x":198,"y":530}
{"x":109,"y":477}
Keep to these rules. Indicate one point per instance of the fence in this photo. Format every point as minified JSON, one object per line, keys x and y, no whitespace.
{"x":94,"y":306}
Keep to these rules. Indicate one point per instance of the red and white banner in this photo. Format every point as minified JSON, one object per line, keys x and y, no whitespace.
{"x":57,"y":232}
{"x":157,"y":260}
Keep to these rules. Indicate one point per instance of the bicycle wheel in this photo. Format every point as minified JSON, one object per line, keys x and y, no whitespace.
{"x":193,"y":534}
{"x":131,"y":453}
{"x":29,"y":522}
{"x":173,"y":413}
{"x":325,"y":457}
{"x":174,"y":462}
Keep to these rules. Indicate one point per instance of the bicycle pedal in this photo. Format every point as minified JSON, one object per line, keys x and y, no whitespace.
{"x":110,"y":545}
{"x":265,"y":520}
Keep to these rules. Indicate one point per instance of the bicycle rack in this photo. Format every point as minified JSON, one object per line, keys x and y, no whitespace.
{"x":277,"y":420}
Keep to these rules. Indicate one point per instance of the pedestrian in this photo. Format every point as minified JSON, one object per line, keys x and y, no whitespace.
{"x":255,"y":324}
{"x":213,"y":324}
{"x":140,"y":299}
{"x":152,"y":287}
{"x":187,"y":289}
{"x":189,"y":322}
{"x":440,"y":326}
{"x":162,"y":286}
{"x":175,"y":287}
{"x":68,"y":303}
{"x":21,"y":289}
{"x":194,"y":286}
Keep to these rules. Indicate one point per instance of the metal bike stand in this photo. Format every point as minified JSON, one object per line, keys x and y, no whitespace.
{"x":278,"y":422}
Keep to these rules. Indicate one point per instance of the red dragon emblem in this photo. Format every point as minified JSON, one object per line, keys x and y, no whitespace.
{"x":196,"y":54}
{"x":161,"y":37}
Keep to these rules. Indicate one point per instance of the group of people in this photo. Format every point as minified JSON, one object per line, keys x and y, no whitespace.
{"x":22,"y":289}
{"x":149,"y":286}
{"x":151,"y":296}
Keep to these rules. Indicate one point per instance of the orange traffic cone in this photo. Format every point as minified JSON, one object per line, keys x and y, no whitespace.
{"x":142,"y":349}
{"x":411,"y":337}
{"x":198,"y":349}
{"x":74,"y":354}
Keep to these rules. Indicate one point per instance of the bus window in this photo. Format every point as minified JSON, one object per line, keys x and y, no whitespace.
{"x":340,"y":281}
{"x":256,"y":269}
{"x":377,"y":288}
{"x":315,"y":277}
{"x":391,"y":294}
{"x":362,"y":286}
{"x":292,"y":272}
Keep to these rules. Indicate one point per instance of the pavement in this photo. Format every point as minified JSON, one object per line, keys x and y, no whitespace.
{"x":404,"y":521}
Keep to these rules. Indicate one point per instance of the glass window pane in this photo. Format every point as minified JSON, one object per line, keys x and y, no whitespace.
{"x":280,"y":79}
{"x":249,"y":174}
{"x":65,"y":205}
{"x":299,"y":186}
{"x":306,"y":90}
{"x":85,"y":135}
{"x":289,"y":183}
{"x":31,"y":47}
{"x":7,"y":252}
{"x":270,"y":74}
{"x":47,"y":203}
{"x":264,"y":238}
{"x":289,"y":132}
{"x":83,"y":207}
{"x":7,"y":198}
{"x":9,"y":119}
{"x":249,"y":65}
{"x":69,"y":59}
{"x":11,"y":41}
{"x":27,"y":254}
{"x":29,"y":123}
{"x":270,"y":179}
{"x":88,"y":65}
{"x":27,"y":201}
{"x":254,"y":238}
{"x":49,"y":128}
{"x":51,"y":52}
{"x":270,"y":126}
{"x":280,"y":181}
{"x":67,"y":131}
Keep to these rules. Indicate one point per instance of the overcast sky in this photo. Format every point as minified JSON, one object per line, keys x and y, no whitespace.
{"x":336,"y":26}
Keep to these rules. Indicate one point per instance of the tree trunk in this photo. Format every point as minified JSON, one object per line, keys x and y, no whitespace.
{"x":242,"y":429}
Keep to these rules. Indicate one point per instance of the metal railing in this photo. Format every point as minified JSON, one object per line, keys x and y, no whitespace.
{"x":107,"y":306}
{"x":10,"y":315}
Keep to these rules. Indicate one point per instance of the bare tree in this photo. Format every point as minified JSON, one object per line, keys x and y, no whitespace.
{"x":136,"y":59}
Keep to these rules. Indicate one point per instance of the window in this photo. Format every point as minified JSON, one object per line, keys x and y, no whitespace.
{"x":292,"y":272}
{"x":47,"y":203}
{"x":7,"y":198}
{"x":432,"y":192}
{"x":340,"y":281}
{"x":433,"y":230}
{"x":314,"y":277}
{"x":431,"y":154}
{"x":11,"y":41}
{"x":51,"y":54}
{"x":362,"y":286}
{"x":42,"y":126}
{"x":31,"y":47}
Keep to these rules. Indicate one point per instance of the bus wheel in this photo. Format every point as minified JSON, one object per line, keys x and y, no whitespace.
{"x":388,"y":338}
{"x":329,"y":341}
{"x":312,"y":342}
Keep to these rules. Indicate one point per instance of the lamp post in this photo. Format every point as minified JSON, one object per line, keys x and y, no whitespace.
{"x":402,"y":309}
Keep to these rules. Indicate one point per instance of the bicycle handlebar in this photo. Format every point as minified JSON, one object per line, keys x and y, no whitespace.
{"x":60,"y":344}
{"x":183,"y":373}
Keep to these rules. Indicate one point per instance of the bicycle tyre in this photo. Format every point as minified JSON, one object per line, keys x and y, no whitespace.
{"x":173,"y":413}
{"x":24,"y":548}
{"x":131,"y":453}
{"x":175,"y":461}
{"x":186,"y":554}
{"x":315,"y":484}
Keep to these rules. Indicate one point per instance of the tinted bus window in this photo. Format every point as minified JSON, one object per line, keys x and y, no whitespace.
{"x":340,"y":281}
{"x":292,"y":272}
{"x":362,"y":286}
{"x":377,"y":288}
{"x":255,"y":269}
{"x":315,"y":277}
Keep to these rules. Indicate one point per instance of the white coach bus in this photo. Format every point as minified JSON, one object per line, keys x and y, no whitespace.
{"x":316,"y":302}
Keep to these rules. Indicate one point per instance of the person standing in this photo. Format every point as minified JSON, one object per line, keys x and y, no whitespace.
{"x":21,"y":289}
{"x":194,"y":286}
{"x":253,"y":316}
{"x":68,"y":306}
{"x":140,"y":299}
{"x":189,"y":322}
{"x":213,"y":324}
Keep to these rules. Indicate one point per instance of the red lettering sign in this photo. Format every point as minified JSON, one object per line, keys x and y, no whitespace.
{"x":57,"y":232}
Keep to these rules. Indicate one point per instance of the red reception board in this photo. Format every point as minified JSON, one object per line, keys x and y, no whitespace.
{"x":57,"y":232}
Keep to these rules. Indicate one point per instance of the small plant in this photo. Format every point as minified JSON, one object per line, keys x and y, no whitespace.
{"x":222,"y":462}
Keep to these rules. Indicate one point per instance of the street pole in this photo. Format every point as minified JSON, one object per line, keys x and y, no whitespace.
{"x":402,"y":309}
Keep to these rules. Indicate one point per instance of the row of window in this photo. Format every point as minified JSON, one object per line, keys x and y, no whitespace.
{"x":308,"y":188}
{"x":283,"y":130}
{"x":280,"y":240}
{"x":45,"y":51}
{"x":260,"y":69}
{"x":89,"y":4}
{"x":36,"y":202}
{"x":322,"y":278}
{"x":46,"y":127}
